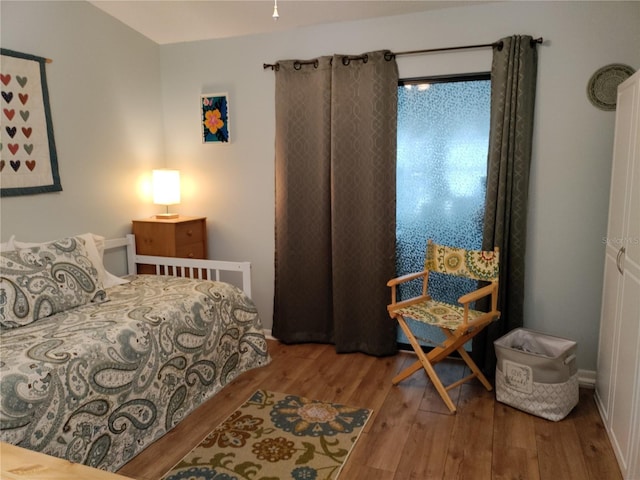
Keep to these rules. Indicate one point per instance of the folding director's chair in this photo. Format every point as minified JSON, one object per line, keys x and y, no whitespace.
{"x":459,"y":323}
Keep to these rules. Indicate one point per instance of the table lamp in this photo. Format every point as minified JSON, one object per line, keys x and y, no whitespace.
{"x":166,"y":190}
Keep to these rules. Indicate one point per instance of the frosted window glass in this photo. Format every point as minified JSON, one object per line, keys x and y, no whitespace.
{"x":443,"y":137}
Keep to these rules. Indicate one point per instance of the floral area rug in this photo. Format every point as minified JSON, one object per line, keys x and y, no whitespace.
{"x":275,"y":436}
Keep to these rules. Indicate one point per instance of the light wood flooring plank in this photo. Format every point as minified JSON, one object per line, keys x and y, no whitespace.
{"x":515,"y":454}
{"x":384,"y":442}
{"x":330,"y":381}
{"x":425,"y":452}
{"x":374,"y":386}
{"x":596,"y":448}
{"x":559,"y":449}
{"x":470,"y":449}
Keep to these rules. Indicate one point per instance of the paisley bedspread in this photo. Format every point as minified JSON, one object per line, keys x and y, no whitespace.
{"x":98,"y":383}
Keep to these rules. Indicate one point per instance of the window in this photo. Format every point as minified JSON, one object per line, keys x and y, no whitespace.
{"x":443,"y":138}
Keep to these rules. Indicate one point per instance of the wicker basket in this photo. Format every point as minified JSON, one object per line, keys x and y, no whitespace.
{"x":537,"y":373}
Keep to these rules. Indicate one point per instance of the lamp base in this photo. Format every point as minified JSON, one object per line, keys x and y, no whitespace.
{"x":166,"y":216}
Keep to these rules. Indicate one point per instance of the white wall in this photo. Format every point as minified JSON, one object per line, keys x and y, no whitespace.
{"x":104,"y":89}
{"x":571,"y":153}
{"x":103,"y":157}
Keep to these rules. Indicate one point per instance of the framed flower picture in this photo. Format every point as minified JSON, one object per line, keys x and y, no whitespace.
{"x":214,"y":117}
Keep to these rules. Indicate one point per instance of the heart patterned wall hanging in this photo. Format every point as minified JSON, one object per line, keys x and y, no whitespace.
{"x":28,"y":159}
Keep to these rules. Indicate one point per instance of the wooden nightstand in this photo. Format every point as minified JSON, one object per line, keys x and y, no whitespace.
{"x":184,"y":237}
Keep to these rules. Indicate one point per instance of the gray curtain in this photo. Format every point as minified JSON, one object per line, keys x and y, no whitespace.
{"x":513,"y":86}
{"x":335,"y":201}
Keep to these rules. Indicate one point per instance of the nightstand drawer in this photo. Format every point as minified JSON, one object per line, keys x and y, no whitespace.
{"x":189,"y":232}
{"x":148,"y":244}
{"x":193,"y":250}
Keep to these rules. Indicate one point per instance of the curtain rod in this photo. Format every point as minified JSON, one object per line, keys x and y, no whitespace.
{"x":497,"y":45}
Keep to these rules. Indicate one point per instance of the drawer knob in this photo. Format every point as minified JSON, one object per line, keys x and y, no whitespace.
{"x":190,"y":255}
{"x":190,"y":232}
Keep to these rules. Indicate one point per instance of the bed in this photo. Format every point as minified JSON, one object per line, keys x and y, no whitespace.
{"x":98,"y":369}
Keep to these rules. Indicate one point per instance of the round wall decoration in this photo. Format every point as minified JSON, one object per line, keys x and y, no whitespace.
{"x":602,"y":88}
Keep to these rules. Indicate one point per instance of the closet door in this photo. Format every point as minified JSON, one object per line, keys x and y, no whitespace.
{"x":614,"y":250}
{"x":629,"y":352}
{"x":618,"y":383}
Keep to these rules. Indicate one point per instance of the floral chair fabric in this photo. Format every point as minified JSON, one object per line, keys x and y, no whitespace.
{"x":437,"y":313}
{"x":476,"y":264}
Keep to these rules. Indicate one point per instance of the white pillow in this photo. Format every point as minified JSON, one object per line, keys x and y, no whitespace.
{"x":110,"y":279}
{"x":8,"y":246}
{"x":94,"y":244}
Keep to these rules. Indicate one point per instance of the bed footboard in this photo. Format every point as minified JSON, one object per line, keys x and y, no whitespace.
{"x":181,"y":267}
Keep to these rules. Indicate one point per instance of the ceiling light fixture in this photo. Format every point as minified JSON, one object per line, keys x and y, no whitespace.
{"x":275,"y":10}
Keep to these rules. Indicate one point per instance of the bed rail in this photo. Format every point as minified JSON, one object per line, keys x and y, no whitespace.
{"x":181,"y":267}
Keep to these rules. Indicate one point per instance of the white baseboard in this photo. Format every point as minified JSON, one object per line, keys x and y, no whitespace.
{"x":587,"y":378}
{"x":267,"y":333}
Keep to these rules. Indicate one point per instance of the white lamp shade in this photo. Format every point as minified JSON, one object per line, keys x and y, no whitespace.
{"x":166,"y":187}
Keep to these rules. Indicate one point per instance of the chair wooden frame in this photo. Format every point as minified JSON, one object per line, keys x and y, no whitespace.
{"x":455,"y":337}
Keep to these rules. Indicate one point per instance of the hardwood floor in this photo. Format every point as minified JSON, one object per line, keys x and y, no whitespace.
{"x":411,"y":434}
